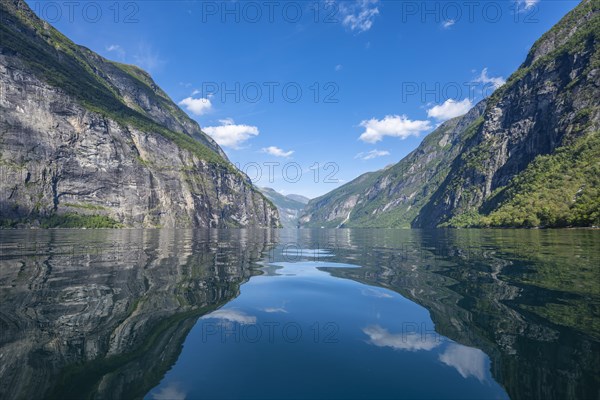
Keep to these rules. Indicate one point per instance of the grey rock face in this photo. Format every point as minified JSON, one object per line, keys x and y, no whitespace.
{"x":538,"y":110}
{"x":59,"y":155}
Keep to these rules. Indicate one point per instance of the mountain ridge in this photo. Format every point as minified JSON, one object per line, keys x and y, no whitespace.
{"x":546,"y":113}
{"x":289,"y":206}
{"x":94,"y":143}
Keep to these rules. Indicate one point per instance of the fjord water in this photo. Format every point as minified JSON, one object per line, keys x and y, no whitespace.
{"x":173,"y":314}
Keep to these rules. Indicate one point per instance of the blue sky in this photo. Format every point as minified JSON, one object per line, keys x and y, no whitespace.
{"x":307,"y":95}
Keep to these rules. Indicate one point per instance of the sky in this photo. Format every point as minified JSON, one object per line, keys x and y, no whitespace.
{"x":305,"y":96}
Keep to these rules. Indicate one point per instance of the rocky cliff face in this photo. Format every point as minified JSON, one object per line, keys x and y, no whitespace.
{"x":110,"y":303}
{"x":89,"y":141}
{"x":549,"y":103}
{"x":528,"y":156}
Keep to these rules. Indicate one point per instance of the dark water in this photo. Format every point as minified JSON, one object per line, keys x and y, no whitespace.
{"x":163,"y":314}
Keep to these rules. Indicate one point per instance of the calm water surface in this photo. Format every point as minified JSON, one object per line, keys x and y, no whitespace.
{"x":175,"y":314}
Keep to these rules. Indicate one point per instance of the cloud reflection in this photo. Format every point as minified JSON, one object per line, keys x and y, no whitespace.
{"x":410,"y":341}
{"x":232,"y":316}
{"x":376,"y":293}
{"x":170,"y":392}
{"x":275,"y":310}
{"x":467,"y":361}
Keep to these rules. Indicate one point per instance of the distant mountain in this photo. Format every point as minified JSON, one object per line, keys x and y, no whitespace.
{"x":527,"y":156}
{"x":290,"y":207}
{"x":299,"y":198}
{"x":85,"y":141}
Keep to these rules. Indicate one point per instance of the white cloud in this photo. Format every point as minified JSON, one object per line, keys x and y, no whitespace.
{"x":232,"y":316}
{"x":485,"y":79}
{"x":412,"y":341}
{"x":229,"y":134}
{"x":277,"y":152}
{"x":527,"y":4}
{"x":369,"y":155}
{"x":448,"y":23}
{"x":115,"y":48}
{"x":196,"y":106}
{"x":358,"y":15}
{"x":450,"y":109}
{"x":195,"y":92}
{"x":147,"y":58}
{"x":466,"y":360}
{"x":392,"y":125}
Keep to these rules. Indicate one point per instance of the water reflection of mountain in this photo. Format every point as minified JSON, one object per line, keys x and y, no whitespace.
{"x":529,"y":299}
{"x":104,"y":313}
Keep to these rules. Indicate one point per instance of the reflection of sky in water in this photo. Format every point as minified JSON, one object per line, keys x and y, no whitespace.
{"x":410,"y":341}
{"x":295,"y":254}
{"x":379,"y":293}
{"x":275,"y":310}
{"x":231,"y":315}
{"x":308,"y":268}
{"x":170,"y":392}
{"x":376,"y":333}
{"x":468,"y":361}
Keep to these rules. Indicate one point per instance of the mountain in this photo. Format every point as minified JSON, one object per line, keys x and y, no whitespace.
{"x":290,"y":207}
{"x":393,"y":196}
{"x":85,"y":141}
{"x":299,"y":198}
{"x":527,"y":156}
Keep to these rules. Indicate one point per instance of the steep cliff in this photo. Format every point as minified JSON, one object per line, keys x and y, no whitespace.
{"x":528,"y":156}
{"x":535,"y":158}
{"x":89,"y":142}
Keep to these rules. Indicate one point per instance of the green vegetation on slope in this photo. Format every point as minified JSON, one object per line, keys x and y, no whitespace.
{"x":408,"y":173}
{"x":68,"y":220}
{"x":557,"y":190}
